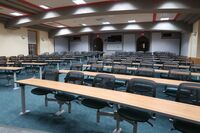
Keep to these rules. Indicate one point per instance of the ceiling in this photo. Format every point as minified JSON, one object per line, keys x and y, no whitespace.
{"x":12,"y":10}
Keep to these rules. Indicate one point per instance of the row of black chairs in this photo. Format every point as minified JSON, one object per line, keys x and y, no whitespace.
{"x":187,"y":93}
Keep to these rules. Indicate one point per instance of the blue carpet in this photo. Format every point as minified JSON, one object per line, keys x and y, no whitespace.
{"x":81,"y":120}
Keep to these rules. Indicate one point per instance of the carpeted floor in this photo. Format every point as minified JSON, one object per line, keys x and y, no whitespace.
{"x":81,"y":120}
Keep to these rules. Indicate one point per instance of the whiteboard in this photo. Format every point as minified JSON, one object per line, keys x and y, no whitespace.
{"x":114,"y":46}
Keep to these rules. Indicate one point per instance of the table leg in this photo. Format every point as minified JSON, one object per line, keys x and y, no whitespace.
{"x":23,"y":101}
{"x":40,"y":67}
{"x":15,"y":79}
{"x":80,"y":60}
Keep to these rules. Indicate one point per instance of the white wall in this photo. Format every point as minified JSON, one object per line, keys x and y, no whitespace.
{"x":61,"y":44}
{"x":167,"y":45}
{"x":15,"y":42}
{"x":82,"y":45}
{"x":185,"y":43}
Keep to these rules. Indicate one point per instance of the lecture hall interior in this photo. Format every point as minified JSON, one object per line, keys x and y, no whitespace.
{"x":99,"y":66}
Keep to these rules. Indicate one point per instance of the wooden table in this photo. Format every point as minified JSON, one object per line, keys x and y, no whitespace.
{"x":160,"y":81}
{"x":40,"y":65}
{"x":165,"y":107}
{"x":14,"y":70}
{"x":155,"y":70}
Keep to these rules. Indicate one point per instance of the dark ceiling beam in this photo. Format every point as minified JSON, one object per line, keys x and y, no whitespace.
{"x":147,"y":26}
{"x":16,"y":5}
{"x":110,"y":8}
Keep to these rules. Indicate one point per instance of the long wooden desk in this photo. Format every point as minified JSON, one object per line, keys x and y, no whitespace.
{"x":14,"y":70}
{"x":160,"y":71}
{"x":160,"y":81}
{"x":165,"y":107}
{"x":40,"y":65}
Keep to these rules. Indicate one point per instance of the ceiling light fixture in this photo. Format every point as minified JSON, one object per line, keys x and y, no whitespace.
{"x":84,"y":24}
{"x":164,"y":19}
{"x":16,"y":14}
{"x":44,"y":7}
{"x":131,"y":21}
{"x":105,"y":23}
{"x":78,"y":2}
{"x":60,"y":26}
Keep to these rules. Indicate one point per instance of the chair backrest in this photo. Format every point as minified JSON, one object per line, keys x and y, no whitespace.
{"x":144,"y":71}
{"x":170,"y":65}
{"x":77,"y":66}
{"x":104,"y":81}
{"x":119,"y":69}
{"x":75,"y":78}
{"x":188,"y":93}
{"x":142,"y":87}
{"x":180,"y":74}
{"x":17,"y":63}
{"x":3,"y":63}
{"x":51,"y":75}
{"x":96,"y":67}
{"x":148,"y":64}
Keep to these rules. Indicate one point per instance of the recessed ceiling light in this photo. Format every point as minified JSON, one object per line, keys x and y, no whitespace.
{"x":84,"y":24}
{"x":60,"y":26}
{"x":78,"y":2}
{"x":164,"y":19}
{"x":16,"y":14}
{"x":44,"y":7}
{"x":105,"y":23}
{"x":131,"y":21}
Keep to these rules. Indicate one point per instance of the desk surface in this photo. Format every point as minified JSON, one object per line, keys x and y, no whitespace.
{"x":29,"y":63}
{"x":165,"y":107}
{"x":11,"y":68}
{"x":128,"y":77}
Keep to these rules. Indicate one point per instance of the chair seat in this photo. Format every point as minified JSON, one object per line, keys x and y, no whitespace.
{"x":95,"y":104}
{"x":186,"y":127}
{"x":41,"y":91}
{"x":134,"y":114}
{"x":64,"y":97}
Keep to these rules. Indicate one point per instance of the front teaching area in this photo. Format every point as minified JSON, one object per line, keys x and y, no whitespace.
{"x":100,"y":66}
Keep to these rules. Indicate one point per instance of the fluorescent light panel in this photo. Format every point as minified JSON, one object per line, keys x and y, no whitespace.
{"x":84,"y":24}
{"x":131,"y":21}
{"x":78,"y":2}
{"x":164,"y":19}
{"x":44,"y":7}
{"x":105,"y":23}
{"x":16,"y":14}
{"x":60,"y":26}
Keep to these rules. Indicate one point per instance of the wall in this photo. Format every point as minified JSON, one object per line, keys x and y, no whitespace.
{"x":61,"y":44}
{"x":82,"y":45}
{"x":129,"y":43}
{"x":185,"y":43}
{"x":194,"y":48}
{"x":167,"y":45}
{"x":15,"y":42}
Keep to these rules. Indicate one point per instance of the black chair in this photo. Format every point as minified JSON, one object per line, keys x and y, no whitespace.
{"x":77,"y":66}
{"x":143,"y":71}
{"x":47,"y":75}
{"x":187,"y":93}
{"x":96,"y":68}
{"x":66,"y":98}
{"x":119,"y":69}
{"x":177,"y":74}
{"x":133,"y":116}
{"x":102,"y":81}
{"x":147,"y":64}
